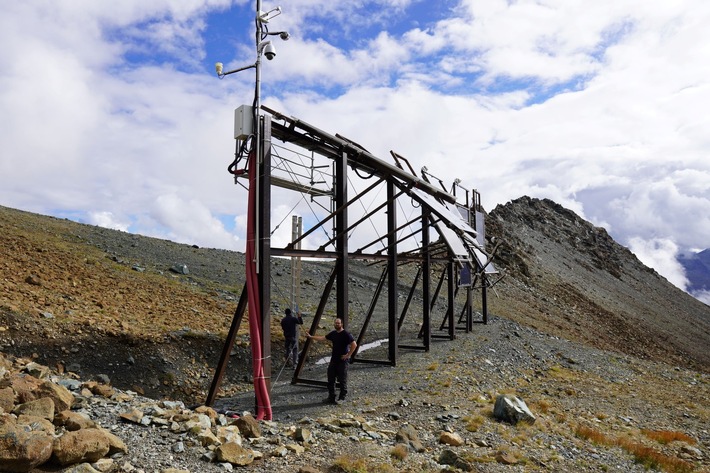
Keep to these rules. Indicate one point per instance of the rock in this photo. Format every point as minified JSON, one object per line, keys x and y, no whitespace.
{"x":506,"y":458}
{"x":86,"y":445}
{"x":450,"y":438}
{"x":198,"y":423}
{"x":7,"y":399}
{"x":303,"y":435}
{"x":208,"y":411}
{"x":36,"y":424}
{"x":103,"y":379}
{"x":37,"y":370}
{"x":295,"y":448}
{"x":691,"y":452}
{"x":408,"y":435}
{"x":280,"y":451}
{"x":512,"y":410}
{"x":103,"y":390}
{"x":134,"y":415}
{"x":449,"y":457}
{"x":39,"y":408}
{"x":229,"y":433}
{"x":24,"y":387}
{"x":308,"y":469}
{"x":33,"y":280}
{"x":207,"y":438}
{"x":249,"y":427}
{"x":82,"y":468}
{"x":72,"y":421}
{"x":115,"y":444}
{"x":70,"y":384}
{"x":21,"y":450}
{"x":104,"y":465}
{"x":62,"y":397}
{"x":180,"y":269}
{"x":234,"y":454}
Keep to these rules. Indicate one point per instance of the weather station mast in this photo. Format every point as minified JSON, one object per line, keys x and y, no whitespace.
{"x":253,"y":161}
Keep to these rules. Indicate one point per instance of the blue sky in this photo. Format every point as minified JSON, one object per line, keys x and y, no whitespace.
{"x":113,"y":115}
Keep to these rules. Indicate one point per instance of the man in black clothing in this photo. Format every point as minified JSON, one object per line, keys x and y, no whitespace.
{"x":289,"y":325}
{"x":344,"y":346}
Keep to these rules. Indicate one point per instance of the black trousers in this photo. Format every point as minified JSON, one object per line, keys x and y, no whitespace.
{"x":338,"y":369}
{"x":292,"y":350}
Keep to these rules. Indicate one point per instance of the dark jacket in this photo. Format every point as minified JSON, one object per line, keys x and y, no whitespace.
{"x":288,"y":324}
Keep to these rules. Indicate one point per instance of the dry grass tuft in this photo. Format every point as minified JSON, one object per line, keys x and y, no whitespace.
{"x":651,"y":458}
{"x":542,"y":406}
{"x":593,"y":435}
{"x":668,"y":436}
{"x":399,"y":452}
{"x":643,"y":454}
{"x":353,"y":464}
{"x":474,"y":422}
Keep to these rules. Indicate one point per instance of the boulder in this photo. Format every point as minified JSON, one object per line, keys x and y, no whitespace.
{"x":82,"y":468}
{"x":408,"y":435}
{"x":450,"y":438}
{"x":35,"y":424}
{"x":7,"y":399}
{"x":506,"y":458}
{"x":24,"y":387}
{"x":22,"y":450}
{"x":449,"y":457}
{"x":37,"y":370}
{"x":229,"y":433}
{"x":115,"y":444}
{"x":249,"y":427}
{"x":62,"y":397}
{"x":86,"y":445}
{"x":512,"y":410}
{"x":234,"y":454}
{"x":303,"y":435}
{"x":72,"y":421}
{"x":43,"y":407}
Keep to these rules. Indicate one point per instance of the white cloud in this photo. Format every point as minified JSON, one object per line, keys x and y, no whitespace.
{"x":107,"y":220}
{"x":594,"y":105}
{"x":190,"y":222}
{"x":660,"y":254}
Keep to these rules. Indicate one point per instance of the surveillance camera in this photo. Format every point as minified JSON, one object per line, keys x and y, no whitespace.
{"x":284,"y":35}
{"x":269,"y":51}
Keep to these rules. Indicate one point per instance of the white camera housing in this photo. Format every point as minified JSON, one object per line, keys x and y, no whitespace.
{"x":269,"y":51}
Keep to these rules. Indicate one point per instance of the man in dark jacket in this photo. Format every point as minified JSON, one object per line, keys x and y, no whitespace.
{"x":289,"y":324}
{"x":344,"y":346}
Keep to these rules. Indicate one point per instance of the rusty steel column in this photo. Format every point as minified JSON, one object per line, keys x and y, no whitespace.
{"x":392,"y":275}
{"x":341,"y":233}
{"x":426,"y":279}
{"x":451,"y":294}
{"x":264,"y":246}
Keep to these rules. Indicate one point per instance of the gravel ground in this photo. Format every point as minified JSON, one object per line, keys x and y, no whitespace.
{"x":452,"y":388}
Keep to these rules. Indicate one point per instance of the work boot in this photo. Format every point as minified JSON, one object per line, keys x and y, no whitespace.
{"x":330,"y":400}
{"x":341,"y":398}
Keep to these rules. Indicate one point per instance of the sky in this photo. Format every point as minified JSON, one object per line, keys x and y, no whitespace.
{"x":112,"y":113}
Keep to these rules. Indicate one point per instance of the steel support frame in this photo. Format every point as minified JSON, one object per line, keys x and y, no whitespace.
{"x":345,"y":154}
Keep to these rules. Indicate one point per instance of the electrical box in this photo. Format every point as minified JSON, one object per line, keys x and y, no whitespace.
{"x":243,"y":122}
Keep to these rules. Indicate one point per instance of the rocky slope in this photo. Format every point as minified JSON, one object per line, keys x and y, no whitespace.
{"x":580,"y":329}
{"x":572,"y":279}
